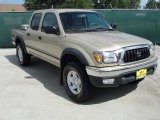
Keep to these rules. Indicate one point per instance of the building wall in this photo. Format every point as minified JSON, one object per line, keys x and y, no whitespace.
{"x":12,"y":8}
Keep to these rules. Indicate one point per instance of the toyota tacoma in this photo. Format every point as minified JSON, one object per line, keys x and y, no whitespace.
{"x":90,"y":51}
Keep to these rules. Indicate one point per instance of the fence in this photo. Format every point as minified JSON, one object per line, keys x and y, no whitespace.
{"x":9,"y":20}
{"x":143,"y":23}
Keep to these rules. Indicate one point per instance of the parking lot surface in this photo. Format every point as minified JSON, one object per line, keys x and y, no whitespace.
{"x":34,"y":93}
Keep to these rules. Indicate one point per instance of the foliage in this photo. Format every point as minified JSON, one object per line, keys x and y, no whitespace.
{"x":151,"y":4}
{"x":124,"y":4}
{"x":36,"y":4}
{"x":77,"y":4}
{"x":100,"y":4}
{"x":158,"y":4}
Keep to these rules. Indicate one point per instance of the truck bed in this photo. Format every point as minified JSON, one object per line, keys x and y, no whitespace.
{"x":17,"y":32}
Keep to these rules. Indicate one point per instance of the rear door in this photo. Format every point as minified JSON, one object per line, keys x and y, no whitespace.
{"x":32,"y":34}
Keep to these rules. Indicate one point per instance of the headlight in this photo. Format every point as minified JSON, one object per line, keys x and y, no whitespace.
{"x":109,"y":57}
{"x":152,"y":49}
{"x":106,"y":57}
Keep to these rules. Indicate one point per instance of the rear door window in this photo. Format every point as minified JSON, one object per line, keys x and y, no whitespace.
{"x":36,"y":21}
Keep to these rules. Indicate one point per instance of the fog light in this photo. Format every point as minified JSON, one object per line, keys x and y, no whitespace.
{"x":108,"y":81}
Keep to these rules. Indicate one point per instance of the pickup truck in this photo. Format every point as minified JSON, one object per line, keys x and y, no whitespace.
{"x":90,"y":52}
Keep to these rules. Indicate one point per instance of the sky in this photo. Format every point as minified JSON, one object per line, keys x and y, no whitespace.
{"x":143,"y":2}
{"x":11,"y":1}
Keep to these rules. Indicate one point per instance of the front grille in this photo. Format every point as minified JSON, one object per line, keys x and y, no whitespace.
{"x":136,"y":54}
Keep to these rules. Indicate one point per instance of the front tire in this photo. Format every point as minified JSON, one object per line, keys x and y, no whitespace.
{"x":24,"y":58}
{"x":76,"y":82}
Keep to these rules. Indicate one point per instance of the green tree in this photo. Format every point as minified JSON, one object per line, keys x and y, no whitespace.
{"x":41,"y":4}
{"x":77,"y":4}
{"x":100,"y":4}
{"x":59,"y":3}
{"x":134,"y":4}
{"x":124,"y":4}
{"x":158,"y":4}
{"x":151,"y":4}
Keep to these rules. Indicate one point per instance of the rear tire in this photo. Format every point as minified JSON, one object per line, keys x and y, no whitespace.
{"x":24,"y":58}
{"x":76,"y":82}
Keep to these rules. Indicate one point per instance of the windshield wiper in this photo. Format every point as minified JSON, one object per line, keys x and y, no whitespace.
{"x":89,"y":29}
{"x":102,"y":29}
{"x":94,"y":29}
{"x":111,"y":29}
{"x":75,"y":30}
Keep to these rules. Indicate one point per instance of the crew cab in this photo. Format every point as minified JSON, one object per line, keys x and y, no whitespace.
{"x":90,"y":52}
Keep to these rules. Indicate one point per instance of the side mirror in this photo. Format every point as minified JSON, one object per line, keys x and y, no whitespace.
{"x":24,"y":27}
{"x":52,"y":30}
{"x":114,"y":26}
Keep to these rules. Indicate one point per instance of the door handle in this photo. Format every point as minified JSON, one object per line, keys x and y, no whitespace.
{"x":28,"y":34}
{"x":39,"y":37}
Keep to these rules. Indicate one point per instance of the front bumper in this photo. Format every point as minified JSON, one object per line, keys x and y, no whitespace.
{"x":120,"y":74}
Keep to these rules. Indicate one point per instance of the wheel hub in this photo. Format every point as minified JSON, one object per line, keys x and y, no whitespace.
{"x":74,"y":82}
{"x":20,"y":56}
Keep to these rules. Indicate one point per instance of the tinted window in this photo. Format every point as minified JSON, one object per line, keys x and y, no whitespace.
{"x":36,"y":21}
{"x":83,"y":21}
{"x":49,"y":20}
{"x":94,"y":20}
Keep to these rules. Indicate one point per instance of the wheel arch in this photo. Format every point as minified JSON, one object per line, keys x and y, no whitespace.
{"x":20,"y":40}
{"x":71,"y":54}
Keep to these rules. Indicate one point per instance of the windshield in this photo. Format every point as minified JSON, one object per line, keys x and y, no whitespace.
{"x":83,"y":22}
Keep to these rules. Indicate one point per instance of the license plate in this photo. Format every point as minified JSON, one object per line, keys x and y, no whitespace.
{"x":141,"y":73}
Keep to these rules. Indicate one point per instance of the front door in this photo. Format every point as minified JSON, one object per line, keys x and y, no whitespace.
{"x":50,"y":43}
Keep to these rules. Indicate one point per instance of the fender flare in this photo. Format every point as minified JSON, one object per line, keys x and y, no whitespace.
{"x":18,"y":38}
{"x":75,"y":53}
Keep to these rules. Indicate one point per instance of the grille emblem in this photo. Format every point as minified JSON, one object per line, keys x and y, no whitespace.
{"x":139,"y":54}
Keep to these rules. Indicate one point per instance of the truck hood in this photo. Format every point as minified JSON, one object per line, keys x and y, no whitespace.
{"x":110,"y":40}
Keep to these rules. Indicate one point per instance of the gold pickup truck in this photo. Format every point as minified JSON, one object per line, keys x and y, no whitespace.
{"x":90,"y":52}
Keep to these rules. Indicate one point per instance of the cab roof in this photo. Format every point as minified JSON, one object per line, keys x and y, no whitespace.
{"x":65,"y":10}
